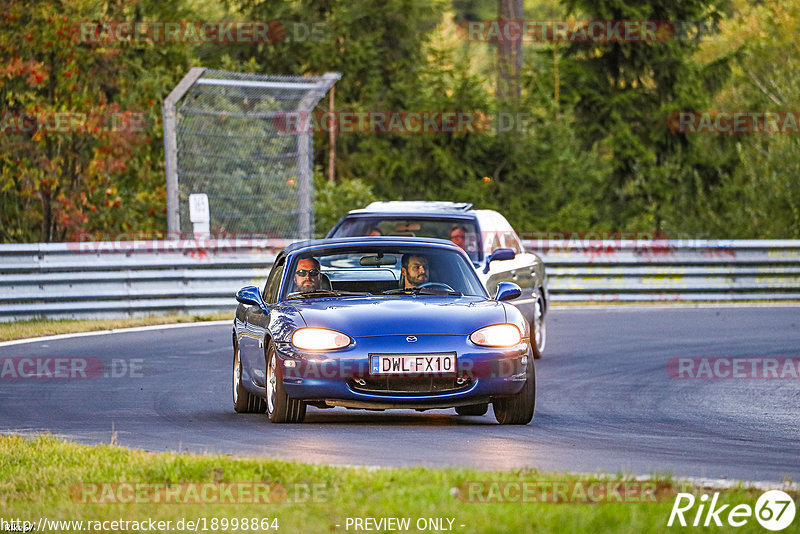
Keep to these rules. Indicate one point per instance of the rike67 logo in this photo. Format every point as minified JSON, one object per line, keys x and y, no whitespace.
{"x":774,"y":510}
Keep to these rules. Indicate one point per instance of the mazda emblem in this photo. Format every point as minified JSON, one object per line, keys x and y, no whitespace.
{"x":411,"y":339}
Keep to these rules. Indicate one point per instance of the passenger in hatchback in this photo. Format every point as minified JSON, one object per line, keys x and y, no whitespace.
{"x":458,"y":235}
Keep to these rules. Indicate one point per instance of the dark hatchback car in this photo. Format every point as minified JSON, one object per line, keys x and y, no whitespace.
{"x":486,"y":236}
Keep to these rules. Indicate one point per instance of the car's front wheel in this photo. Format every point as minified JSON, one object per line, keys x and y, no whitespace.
{"x":280,"y":407}
{"x":243,"y":400}
{"x":518,"y":409}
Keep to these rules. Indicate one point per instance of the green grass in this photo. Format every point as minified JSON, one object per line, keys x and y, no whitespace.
{"x":47,"y":327}
{"x":42,"y":477}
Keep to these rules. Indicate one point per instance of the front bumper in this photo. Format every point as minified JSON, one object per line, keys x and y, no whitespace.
{"x":342,"y":377}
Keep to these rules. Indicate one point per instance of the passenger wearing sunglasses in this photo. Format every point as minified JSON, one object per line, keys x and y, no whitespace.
{"x":306,"y":276}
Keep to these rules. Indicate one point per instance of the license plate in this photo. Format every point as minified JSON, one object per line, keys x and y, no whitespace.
{"x":413,"y":364}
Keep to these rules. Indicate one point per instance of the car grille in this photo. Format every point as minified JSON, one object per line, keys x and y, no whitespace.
{"x":392,"y":385}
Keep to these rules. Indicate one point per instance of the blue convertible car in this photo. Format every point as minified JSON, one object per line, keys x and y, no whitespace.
{"x":378,"y":323}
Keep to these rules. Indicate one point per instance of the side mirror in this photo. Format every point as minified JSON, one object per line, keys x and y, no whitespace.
{"x":251,"y":295}
{"x":507,"y":291}
{"x":499,"y":254}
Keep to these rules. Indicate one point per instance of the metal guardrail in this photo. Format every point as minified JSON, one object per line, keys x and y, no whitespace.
{"x":130,"y":278}
{"x":671,"y":270}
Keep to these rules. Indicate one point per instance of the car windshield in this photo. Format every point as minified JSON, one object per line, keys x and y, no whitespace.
{"x":460,"y":231}
{"x":381,"y":270}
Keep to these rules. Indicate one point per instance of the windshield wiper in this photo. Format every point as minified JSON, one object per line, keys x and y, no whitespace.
{"x":421,"y":291}
{"x":326,"y":293}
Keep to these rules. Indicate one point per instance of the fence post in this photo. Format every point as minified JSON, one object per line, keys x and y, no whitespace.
{"x":171,"y":149}
{"x":305,"y":172}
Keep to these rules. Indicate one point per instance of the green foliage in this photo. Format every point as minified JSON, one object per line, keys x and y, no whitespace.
{"x":762,"y":194}
{"x":103,"y":170}
{"x":622,"y":93}
{"x":764,"y":191}
{"x":538,"y":174}
{"x":599,"y":157}
{"x":334,"y":199}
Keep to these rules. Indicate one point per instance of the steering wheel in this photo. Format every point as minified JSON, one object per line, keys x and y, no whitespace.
{"x":437,"y":285}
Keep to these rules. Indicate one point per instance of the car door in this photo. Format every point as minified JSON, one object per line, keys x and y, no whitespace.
{"x":524,"y":269}
{"x":519,"y":270}
{"x":256,"y":323}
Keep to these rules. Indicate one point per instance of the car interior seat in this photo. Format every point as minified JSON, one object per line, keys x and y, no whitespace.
{"x":324,"y":281}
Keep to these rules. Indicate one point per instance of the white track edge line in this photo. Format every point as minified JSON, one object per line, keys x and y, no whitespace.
{"x":111,"y":331}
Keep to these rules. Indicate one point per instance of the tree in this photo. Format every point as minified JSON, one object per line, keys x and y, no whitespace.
{"x":759,"y":195}
{"x":622,"y":93}
{"x":509,"y":52}
{"x":81,"y":145}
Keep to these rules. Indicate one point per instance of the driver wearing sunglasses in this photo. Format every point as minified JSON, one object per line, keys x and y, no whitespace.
{"x":306,"y":276}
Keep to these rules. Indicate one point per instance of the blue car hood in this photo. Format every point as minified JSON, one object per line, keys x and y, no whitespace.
{"x":402,"y":315}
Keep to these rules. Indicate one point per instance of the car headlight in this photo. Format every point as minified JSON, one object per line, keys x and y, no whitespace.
{"x":497,"y":335}
{"x":319,"y":339}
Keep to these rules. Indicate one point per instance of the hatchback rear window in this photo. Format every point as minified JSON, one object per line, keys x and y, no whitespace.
{"x":463,"y":232}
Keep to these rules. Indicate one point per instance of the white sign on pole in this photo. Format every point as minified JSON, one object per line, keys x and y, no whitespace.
{"x":199,"y":214}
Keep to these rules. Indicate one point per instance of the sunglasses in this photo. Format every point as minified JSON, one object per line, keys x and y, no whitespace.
{"x":311,"y":272}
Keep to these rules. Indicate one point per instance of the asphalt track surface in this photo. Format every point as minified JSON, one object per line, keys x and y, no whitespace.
{"x":605,"y":401}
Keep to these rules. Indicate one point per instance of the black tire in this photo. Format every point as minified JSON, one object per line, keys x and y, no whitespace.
{"x":518,"y":409}
{"x":280,"y":407}
{"x":538,"y":342}
{"x":473,"y":409}
{"x":243,"y":400}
